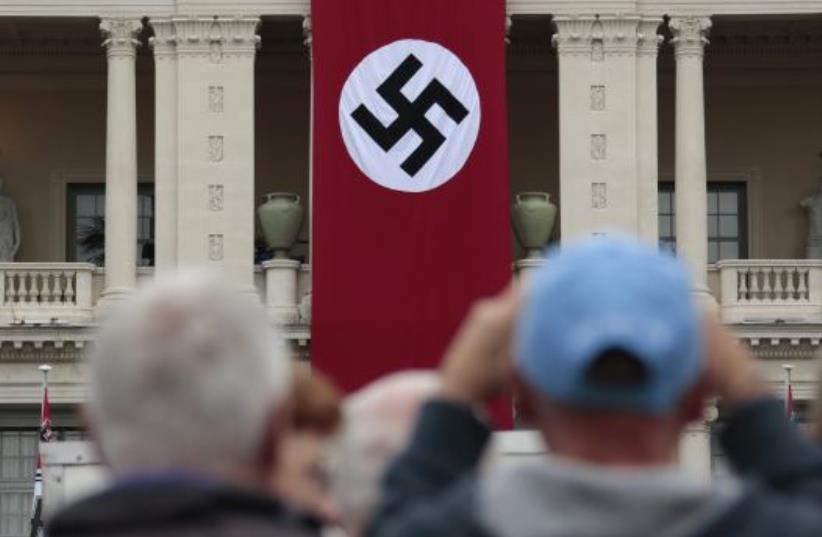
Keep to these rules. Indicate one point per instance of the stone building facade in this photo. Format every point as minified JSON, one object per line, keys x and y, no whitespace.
{"x":693,"y":123}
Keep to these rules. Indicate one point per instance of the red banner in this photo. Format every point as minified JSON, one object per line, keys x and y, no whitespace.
{"x":410,"y":178}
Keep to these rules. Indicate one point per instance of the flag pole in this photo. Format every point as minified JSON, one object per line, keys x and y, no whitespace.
{"x":37,"y":503}
{"x":788,"y":390}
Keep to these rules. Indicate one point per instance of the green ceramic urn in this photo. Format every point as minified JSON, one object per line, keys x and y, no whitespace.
{"x":281,"y":219}
{"x":533,"y":217}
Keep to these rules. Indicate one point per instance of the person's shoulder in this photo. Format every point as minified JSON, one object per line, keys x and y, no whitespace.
{"x":761,"y":512}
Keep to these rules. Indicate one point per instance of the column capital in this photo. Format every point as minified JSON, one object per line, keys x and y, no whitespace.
{"x":121,"y":35}
{"x":164,"y":41}
{"x":648,"y":40}
{"x":598,"y":36}
{"x":216,"y":37}
{"x":307,"y":31}
{"x":690,"y":35}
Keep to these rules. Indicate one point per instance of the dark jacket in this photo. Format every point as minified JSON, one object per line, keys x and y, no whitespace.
{"x":178,"y":507}
{"x":435,"y":490}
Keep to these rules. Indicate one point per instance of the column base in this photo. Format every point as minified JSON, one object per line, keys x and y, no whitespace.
{"x":526,"y":266}
{"x":111,"y":298}
{"x":705,"y":300}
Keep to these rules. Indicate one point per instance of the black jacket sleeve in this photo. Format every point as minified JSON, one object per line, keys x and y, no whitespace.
{"x":762,"y":444}
{"x":428,"y":491}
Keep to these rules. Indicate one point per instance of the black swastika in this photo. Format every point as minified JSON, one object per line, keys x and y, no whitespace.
{"x":410,"y":115}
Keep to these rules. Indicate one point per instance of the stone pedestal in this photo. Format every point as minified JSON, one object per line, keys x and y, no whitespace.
{"x":281,"y":290}
{"x":525,"y":267}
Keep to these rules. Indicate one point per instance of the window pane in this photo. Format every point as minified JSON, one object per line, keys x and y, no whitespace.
{"x":728,"y":203}
{"x":665,"y":202}
{"x":100,"y":204}
{"x":712,"y":202}
{"x":86,"y":205}
{"x":667,"y":246}
{"x":666,"y":229}
{"x":713,"y":252}
{"x":713,"y":224}
{"x":729,"y":250}
{"x":729,"y":227}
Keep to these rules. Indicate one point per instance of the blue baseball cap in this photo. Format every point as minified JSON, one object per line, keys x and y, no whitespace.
{"x":610,"y":294}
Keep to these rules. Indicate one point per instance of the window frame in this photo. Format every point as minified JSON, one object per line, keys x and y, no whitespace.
{"x":741,"y":188}
{"x":73,"y":189}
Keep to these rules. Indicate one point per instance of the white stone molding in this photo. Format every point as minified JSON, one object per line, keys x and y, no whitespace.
{"x":307,"y":32}
{"x":165,"y":8}
{"x":121,"y":36}
{"x":217,"y":37}
{"x":690,"y":35}
{"x":648,"y":40}
{"x":596,"y":36}
{"x":164,"y":41}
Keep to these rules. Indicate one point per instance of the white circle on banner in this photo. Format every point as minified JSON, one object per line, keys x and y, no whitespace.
{"x":410,"y":115}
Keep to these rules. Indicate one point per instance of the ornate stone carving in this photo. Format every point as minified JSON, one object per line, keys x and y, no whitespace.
{"x":121,"y":36}
{"x":601,"y":36}
{"x":597,"y":98}
{"x":215,"y":148}
{"x":599,"y":147}
{"x":690,"y":35}
{"x":648,"y":40}
{"x":307,"y":38}
{"x":509,"y":23}
{"x":215,"y":247}
{"x":216,"y":99}
{"x":217,"y":38}
{"x":164,"y":41}
{"x":216,"y":201}
{"x":599,"y":196}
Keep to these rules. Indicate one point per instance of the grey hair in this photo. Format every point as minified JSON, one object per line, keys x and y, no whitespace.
{"x":186,"y":374}
{"x":378,"y":421}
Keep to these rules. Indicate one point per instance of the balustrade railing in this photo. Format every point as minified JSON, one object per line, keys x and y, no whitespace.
{"x":767,"y":290}
{"x":46,"y":292}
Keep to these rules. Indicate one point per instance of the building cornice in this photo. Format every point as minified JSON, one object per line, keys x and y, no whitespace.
{"x":167,"y":8}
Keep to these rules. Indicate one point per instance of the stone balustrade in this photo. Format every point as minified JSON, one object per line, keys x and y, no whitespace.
{"x":770,"y":290}
{"x":46,"y":293}
{"x":756,"y":291}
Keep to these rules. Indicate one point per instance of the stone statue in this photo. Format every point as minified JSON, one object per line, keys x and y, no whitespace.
{"x":813,"y":206}
{"x":9,"y":227}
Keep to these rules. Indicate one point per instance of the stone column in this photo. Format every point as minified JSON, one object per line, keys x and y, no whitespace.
{"x":647,"y":130}
{"x":121,"y":158}
{"x":599,"y":119}
{"x":164,"y":44}
{"x":691,"y":162}
{"x":215,"y":143}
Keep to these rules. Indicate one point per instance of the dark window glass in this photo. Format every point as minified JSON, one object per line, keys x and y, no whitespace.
{"x":727,"y":220}
{"x":86,"y":223}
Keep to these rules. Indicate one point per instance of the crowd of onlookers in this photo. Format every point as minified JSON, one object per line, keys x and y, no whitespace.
{"x":208,"y":429}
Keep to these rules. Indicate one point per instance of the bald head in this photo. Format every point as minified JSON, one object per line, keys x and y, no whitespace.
{"x":378,"y":421}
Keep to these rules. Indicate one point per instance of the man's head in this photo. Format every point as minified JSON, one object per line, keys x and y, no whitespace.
{"x":378,"y":421}
{"x":188,"y":375}
{"x":609,"y":343}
